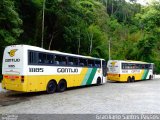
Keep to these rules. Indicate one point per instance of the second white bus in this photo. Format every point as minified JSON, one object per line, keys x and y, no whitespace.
{"x":129,"y":71}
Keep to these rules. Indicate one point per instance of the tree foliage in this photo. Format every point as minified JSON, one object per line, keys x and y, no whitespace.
{"x":10,"y":25}
{"x":85,"y":27}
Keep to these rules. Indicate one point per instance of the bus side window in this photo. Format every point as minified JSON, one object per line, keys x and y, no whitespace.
{"x":98,"y":63}
{"x":41,"y":58}
{"x":82,"y":62}
{"x":147,"y":66}
{"x":63,"y":60}
{"x":75,"y":61}
{"x":32,"y":57}
{"x":72,"y":61}
{"x":150,"y":66}
{"x":133,"y":66}
{"x":90,"y":63}
{"x":57,"y":60}
{"x":123,"y":65}
{"x":50,"y":59}
{"x":126,"y":65}
{"x":85,"y":62}
{"x":60,"y":60}
{"x":143,"y":66}
{"x":139,"y":66}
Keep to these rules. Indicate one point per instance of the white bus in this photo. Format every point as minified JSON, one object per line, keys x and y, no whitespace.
{"x":129,"y":71}
{"x":28,"y":69}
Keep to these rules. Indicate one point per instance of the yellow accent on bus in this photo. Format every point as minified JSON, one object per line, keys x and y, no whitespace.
{"x":39,"y":82}
{"x":124,"y":77}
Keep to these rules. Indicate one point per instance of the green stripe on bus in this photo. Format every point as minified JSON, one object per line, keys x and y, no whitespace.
{"x":86,"y":76}
{"x":145,"y":74}
{"x":90,"y":79}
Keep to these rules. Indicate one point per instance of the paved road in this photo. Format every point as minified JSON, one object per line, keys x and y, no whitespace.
{"x":139,"y":97}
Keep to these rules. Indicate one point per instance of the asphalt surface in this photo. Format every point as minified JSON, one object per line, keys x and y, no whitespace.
{"x":141,"y":97}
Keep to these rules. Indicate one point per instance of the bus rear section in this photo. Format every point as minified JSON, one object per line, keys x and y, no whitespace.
{"x":12,"y":71}
{"x":113,"y":72}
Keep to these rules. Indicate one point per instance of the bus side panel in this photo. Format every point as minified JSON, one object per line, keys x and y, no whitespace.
{"x":87,"y":76}
{"x":142,"y":75}
{"x":147,"y":74}
{"x":39,"y":82}
{"x":35,"y":83}
{"x":150,"y":73}
{"x":124,"y":77}
{"x":99,"y":74}
{"x":80,"y":79}
{"x":91,"y":76}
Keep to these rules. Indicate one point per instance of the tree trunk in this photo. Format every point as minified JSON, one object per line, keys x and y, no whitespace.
{"x":52,"y":37}
{"x":79,"y":42}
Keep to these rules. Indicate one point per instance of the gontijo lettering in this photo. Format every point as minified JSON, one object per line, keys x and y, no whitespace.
{"x":12,"y":60}
{"x":67,"y":70}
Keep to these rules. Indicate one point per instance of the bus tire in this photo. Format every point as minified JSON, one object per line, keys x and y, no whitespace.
{"x":150,"y":77}
{"x":129,"y":79}
{"x":51,"y":87}
{"x":98,"y":81}
{"x":133,"y":79}
{"x":62,"y":86}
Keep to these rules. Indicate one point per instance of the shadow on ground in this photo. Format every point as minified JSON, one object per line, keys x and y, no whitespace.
{"x":10,"y":97}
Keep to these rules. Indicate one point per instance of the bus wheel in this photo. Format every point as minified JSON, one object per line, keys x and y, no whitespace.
{"x":51,"y":87}
{"x":129,"y":79}
{"x":150,"y":77}
{"x":98,"y":81}
{"x":62,"y":85}
{"x":133,"y":79}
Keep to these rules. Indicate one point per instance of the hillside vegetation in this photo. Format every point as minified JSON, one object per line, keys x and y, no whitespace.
{"x":84,"y":27}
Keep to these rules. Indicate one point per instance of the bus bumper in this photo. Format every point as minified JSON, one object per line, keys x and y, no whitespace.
{"x":14,"y":87}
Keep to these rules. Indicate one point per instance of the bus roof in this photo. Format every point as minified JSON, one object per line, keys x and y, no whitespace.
{"x":132,"y":61}
{"x":29,"y":47}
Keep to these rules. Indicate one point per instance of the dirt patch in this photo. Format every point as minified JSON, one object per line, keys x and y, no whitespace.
{"x":11,"y":98}
{"x":7,"y":99}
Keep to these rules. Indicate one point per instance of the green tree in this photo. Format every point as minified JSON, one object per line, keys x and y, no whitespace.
{"x":10,"y":25}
